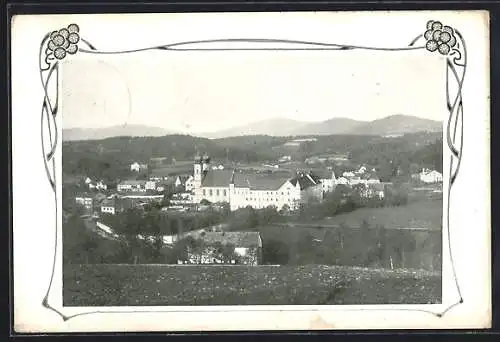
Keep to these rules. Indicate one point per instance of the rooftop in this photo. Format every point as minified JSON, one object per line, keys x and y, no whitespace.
{"x":217,"y":178}
{"x":133,"y":182}
{"x":252,"y":180}
{"x":255,"y":181}
{"x":305,"y":180}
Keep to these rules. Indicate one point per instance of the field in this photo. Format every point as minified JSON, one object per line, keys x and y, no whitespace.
{"x":421,"y":214}
{"x":117,"y":285}
{"x":180,"y":167}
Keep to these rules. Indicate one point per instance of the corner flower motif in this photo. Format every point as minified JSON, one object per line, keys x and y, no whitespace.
{"x":439,"y":37}
{"x":63,"y":42}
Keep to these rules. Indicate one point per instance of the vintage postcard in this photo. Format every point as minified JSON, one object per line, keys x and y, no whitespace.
{"x":251,"y":171}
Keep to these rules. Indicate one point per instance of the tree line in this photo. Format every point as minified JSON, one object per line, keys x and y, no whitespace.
{"x":110,"y":158}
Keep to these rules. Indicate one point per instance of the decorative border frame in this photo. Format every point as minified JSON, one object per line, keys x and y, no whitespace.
{"x":438,"y":38}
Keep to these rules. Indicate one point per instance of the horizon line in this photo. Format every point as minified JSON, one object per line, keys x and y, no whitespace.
{"x":187,"y":132}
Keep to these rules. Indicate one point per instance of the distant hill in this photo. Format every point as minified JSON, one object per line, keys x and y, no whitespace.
{"x":273,"y":127}
{"x":70,"y":134}
{"x":328,"y":127}
{"x":391,"y":125}
{"x":276,"y":127}
{"x":397,"y":125}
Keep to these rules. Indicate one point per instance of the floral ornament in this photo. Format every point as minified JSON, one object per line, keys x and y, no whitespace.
{"x":439,"y":37}
{"x":63,"y":42}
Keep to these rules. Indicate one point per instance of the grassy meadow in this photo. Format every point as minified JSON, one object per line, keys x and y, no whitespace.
{"x":129,"y":285}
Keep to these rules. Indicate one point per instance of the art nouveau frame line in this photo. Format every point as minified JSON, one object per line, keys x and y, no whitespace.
{"x":447,"y":41}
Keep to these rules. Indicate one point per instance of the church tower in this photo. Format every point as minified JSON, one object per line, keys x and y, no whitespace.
{"x":197,"y":174}
{"x":205,"y":163}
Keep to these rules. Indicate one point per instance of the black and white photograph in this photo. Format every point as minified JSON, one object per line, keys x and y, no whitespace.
{"x":243,"y":185}
{"x":221,"y":171}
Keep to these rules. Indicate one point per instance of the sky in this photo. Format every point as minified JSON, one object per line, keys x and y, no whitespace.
{"x":210,"y":91}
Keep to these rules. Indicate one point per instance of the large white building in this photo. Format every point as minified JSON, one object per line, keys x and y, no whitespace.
{"x":242,"y":189}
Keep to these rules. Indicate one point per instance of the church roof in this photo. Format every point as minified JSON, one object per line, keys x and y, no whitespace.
{"x":217,"y":178}
{"x":254,"y":181}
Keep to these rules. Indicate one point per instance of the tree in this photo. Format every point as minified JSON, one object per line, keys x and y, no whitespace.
{"x":73,"y":235}
{"x":275,"y":252}
{"x":226,"y":252}
{"x":365,"y":226}
{"x":153,"y":250}
{"x":285,"y":210}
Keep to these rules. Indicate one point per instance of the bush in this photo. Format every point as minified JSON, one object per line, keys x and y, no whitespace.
{"x":275,"y":252}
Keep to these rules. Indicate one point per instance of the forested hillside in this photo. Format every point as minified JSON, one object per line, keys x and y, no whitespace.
{"x":110,"y":158}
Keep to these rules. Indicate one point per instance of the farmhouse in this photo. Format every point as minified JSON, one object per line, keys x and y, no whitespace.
{"x":371,"y":190}
{"x":428,"y":176}
{"x":114,"y":205}
{"x":181,"y":198}
{"x":85,"y":200}
{"x":225,"y":248}
{"x":138,"y":167}
{"x":131,"y":185}
{"x":242,"y":189}
{"x":150,"y":185}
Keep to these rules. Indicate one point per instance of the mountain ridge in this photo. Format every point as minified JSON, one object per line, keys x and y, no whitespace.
{"x":391,"y":125}
{"x":397,"y":124}
{"x":71,"y":134}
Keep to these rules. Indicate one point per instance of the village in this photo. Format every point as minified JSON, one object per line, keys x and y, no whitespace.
{"x":211,"y":185}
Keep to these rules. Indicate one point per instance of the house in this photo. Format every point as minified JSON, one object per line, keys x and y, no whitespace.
{"x":225,"y":248}
{"x":327,"y":180}
{"x":285,"y":159}
{"x":312,"y":160}
{"x":371,"y":190}
{"x":428,"y":176}
{"x":138,"y":167}
{"x":356,"y":180}
{"x":258,"y":190}
{"x":131,"y":185}
{"x":108,"y":206}
{"x":185,"y":181}
{"x":101,"y":185}
{"x":373,"y":179}
{"x":181,"y":198}
{"x":85,"y":200}
{"x":378,"y":189}
{"x":150,"y":185}
{"x":348,"y":174}
{"x":114,"y":206}
{"x":342,"y":180}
